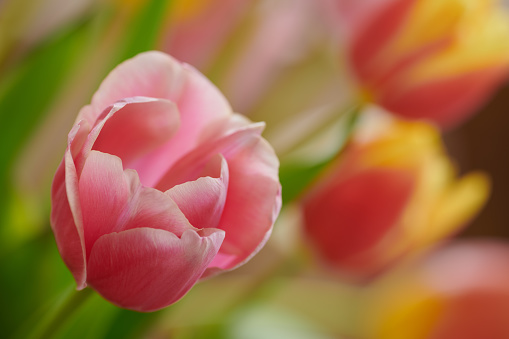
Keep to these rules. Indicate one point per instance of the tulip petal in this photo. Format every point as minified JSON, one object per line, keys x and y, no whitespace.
{"x":140,"y":125}
{"x":445,"y":101}
{"x":148,"y":207}
{"x":191,"y":166}
{"x":202,"y":201}
{"x":130,"y":128}
{"x":151,"y":74}
{"x":113,"y":200}
{"x":103,"y":193}
{"x":254,"y":193}
{"x":65,"y":213}
{"x":253,"y":201}
{"x":352,"y":216}
{"x":147,"y":269}
{"x":157,"y":75}
{"x":377,"y":31}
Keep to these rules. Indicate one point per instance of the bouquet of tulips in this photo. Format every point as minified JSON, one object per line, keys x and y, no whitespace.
{"x":253,"y":169}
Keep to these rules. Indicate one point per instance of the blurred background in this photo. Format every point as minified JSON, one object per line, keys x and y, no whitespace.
{"x":289,"y":63}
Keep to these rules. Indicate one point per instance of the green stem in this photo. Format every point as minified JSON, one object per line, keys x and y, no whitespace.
{"x":64,"y":308}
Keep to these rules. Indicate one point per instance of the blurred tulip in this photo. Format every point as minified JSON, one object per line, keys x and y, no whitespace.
{"x":427,"y":59}
{"x":198,"y":29}
{"x":390,"y":194}
{"x":157,"y":172}
{"x":283,"y":34}
{"x":235,"y":40}
{"x":459,"y":292}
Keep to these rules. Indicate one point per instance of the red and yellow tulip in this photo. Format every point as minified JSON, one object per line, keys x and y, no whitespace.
{"x":392,"y":194}
{"x":428,"y":59}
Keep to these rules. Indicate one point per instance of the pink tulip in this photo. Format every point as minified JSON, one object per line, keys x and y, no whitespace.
{"x":161,"y":185}
{"x":427,"y":59}
{"x":459,"y":292}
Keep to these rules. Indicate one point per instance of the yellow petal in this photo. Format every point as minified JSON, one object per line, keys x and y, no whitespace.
{"x":480,"y":40}
{"x":458,"y":204}
{"x":402,"y":145}
{"x":404,"y":311}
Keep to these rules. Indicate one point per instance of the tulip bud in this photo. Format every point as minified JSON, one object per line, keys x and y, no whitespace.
{"x":460,"y":291}
{"x":427,"y":59}
{"x":386,"y":196}
{"x":161,"y":184}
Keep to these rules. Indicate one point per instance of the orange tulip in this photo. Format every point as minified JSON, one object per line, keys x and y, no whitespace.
{"x":459,"y":292}
{"x":388,"y":196}
{"x":427,"y":59}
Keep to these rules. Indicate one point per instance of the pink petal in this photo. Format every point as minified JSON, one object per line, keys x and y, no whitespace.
{"x":137,"y":127}
{"x":157,"y":75}
{"x":87,"y":113}
{"x":202,"y":201}
{"x":66,"y":213}
{"x":200,"y":106}
{"x":103,"y":193}
{"x":254,"y":193}
{"x":147,"y":269}
{"x":253,"y":202}
{"x":131,"y":127}
{"x":148,"y":207}
{"x":113,"y":200}
{"x":150,"y":74}
{"x":191,"y":166}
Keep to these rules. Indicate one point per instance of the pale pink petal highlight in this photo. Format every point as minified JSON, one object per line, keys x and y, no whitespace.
{"x":150,"y":74}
